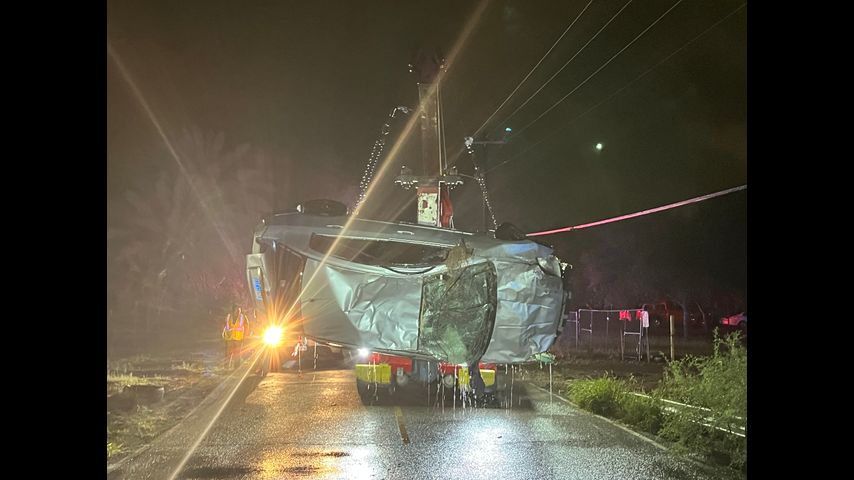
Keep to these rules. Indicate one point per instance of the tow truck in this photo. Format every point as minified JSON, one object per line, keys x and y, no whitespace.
{"x":420,"y":305}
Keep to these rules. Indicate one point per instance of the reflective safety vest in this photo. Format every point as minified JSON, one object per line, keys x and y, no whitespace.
{"x":233,"y":330}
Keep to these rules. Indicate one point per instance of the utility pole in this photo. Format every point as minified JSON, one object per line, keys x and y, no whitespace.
{"x":429,"y":184}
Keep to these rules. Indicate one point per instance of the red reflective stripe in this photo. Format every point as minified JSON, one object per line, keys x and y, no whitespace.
{"x":394,"y":361}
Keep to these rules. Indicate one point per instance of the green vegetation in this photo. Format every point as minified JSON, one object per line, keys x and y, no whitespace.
{"x":113,"y":449}
{"x":613,"y":397}
{"x":133,"y":428}
{"x":126,"y":365}
{"x":194,"y":367}
{"x":643,"y":413}
{"x":117,"y":382}
{"x":711,"y":392}
{"x":718,"y":385}
{"x":134,"y":418}
{"x":600,"y":396}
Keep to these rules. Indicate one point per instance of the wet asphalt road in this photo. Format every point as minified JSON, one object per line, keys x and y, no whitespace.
{"x":314,"y":426}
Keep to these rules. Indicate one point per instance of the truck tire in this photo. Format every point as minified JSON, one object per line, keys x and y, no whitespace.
{"x":367,"y":393}
{"x":373,"y":394}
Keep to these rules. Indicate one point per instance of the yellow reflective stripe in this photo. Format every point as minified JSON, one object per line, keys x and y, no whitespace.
{"x":379,"y":373}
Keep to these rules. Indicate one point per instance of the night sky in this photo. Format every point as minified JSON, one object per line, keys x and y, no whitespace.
{"x":311,"y":84}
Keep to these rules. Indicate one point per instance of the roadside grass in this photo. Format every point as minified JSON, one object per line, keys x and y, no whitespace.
{"x":718,"y":385}
{"x":600,"y":396}
{"x":127,"y":430}
{"x":113,"y":449}
{"x":194,"y":367}
{"x":133,"y":422}
{"x":642,"y":413}
{"x":612,"y":397}
{"x":646,"y":375}
{"x":131,"y":429}
{"x":116,"y":382}
{"x":130,"y":364}
{"x":714,"y":389}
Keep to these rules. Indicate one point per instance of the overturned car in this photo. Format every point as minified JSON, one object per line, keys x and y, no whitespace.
{"x":398,"y":289}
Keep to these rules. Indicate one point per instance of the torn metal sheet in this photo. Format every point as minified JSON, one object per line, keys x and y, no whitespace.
{"x":408,"y":289}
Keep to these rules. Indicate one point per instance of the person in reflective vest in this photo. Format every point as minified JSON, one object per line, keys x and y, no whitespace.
{"x":233,"y":334}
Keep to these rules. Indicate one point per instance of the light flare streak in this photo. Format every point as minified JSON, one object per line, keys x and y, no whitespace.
{"x":467,"y":30}
{"x":216,"y":416}
{"x":410,"y":125}
{"x":208,"y":211}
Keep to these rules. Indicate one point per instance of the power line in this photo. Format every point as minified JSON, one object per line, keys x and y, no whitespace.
{"x":532,"y":70}
{"x":457,"y":154}
{"x":638,"y":214}
{"x":565,"y":64}
{"x":599,"y":69}
{"x":615,"y":93}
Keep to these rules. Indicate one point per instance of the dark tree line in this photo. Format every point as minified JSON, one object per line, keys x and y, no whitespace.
{"x":695,"y":261}
{"x":176,"y":244}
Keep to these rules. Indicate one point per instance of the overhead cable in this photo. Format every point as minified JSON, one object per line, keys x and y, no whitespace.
{"x":599,"y":69}
{"x":506,"y":119}
{"x":618,"y":91}
{"x":532,"y":70}
{"x":638,"y":214}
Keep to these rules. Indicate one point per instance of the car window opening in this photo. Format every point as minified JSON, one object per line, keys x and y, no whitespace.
{"x":379,"y":252}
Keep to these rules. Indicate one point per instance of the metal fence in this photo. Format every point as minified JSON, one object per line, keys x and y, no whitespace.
{"x":606,"y":330}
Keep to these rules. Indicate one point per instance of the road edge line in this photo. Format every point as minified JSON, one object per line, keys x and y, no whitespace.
{"x":219,"y":387}
{"x":612,"y":422}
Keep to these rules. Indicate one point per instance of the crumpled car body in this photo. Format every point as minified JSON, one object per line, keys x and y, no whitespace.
{"x":405,"y":289}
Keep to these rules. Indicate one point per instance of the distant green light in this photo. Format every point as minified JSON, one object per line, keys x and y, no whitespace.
{"x":599,"y":146}
{"x":508,"y":129}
